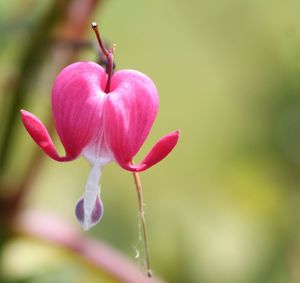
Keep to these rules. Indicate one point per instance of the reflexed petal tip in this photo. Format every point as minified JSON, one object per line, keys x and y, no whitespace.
{"x":40,"y":135}
{"x":159,"y":151}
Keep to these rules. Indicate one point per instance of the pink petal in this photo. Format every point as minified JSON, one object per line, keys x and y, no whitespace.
{"x":78,"y":101}
{"x":131,"y":108}
{"x":160,"y":150}
{"x":40,"y":135}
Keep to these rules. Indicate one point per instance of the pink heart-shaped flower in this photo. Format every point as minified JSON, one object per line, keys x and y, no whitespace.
{"x":102,"y":117}
{"x":102,"y":127}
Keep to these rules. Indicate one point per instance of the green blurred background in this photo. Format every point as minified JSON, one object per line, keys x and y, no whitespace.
{"x":224,"y":206}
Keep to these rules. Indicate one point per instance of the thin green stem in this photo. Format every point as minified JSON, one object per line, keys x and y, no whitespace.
{"x":139,"y":190}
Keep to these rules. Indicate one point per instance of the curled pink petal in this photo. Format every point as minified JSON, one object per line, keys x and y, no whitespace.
{"x":159,"y":151}
{"x":40,"y":135}
{"x":131,"y":108}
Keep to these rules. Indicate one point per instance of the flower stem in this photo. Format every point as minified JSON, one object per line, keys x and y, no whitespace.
{"x":108,"y":54}
{"x":139,"y":190}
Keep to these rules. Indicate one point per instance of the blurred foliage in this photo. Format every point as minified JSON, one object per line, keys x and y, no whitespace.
{"x":53,"y":264}
{"x":224,"y":207}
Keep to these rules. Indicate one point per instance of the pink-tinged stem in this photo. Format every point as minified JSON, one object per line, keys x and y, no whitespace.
{"x":108,"y":54}
{"x":139,"y":190}
{"x":54,"y":230}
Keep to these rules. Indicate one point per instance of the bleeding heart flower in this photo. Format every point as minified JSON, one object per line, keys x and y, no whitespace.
{"x":102,"y":117}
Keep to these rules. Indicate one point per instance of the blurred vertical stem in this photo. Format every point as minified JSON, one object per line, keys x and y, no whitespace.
{"x":29,"y":66}
{"x":69,"y":19}
{"x":70,"y":29}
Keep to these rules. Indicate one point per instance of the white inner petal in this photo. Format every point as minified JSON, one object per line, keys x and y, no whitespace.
{"x":90,"y":197}
{"x":98,"y":156}
{"x":92,"y":190}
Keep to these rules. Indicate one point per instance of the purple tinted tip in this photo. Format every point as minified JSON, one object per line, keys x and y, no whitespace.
{"x":79,"y":211}
{"x":94,"y":217}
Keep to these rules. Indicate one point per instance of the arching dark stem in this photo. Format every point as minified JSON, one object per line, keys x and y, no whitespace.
{"x":108,"y":54}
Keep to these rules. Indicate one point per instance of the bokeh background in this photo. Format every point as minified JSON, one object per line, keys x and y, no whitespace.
{"x":224,"y":207}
